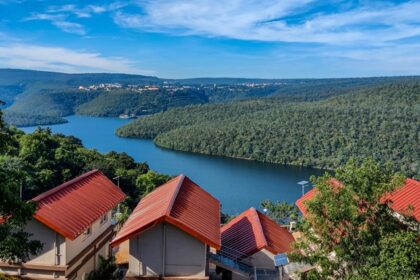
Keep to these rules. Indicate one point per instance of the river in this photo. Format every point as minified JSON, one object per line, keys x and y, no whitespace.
{"x":238,"y":184}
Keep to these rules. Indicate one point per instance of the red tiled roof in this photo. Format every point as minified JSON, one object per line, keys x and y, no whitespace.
{"x":306,"y":197}
{"x":406,"y":199}
{"x":400,"y":200}
{"x":181,"y":203}
{"x":253,"y":231}
{"x":73,"y":206}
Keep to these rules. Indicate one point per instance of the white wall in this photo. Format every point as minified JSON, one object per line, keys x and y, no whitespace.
{"x":74,"y":247}
{"x":263,"y":259}
{"x":165,"y":249}
{"x":49,"y":238}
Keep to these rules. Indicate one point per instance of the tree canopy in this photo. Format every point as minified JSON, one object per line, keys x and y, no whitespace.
{"x":34,"y":163}
{"x":15,"y":243}
{"x":380,"y":122}
{"x":349,"y":234}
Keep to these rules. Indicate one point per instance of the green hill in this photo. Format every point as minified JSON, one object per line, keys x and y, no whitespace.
{"x":37,"y":97}
{"x":381,"y":122}
{"x":112,"y":104}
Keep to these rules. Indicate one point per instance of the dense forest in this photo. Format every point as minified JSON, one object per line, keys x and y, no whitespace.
{"x":380,"y":122}
{"x":36,"y":97}
{"x":27,"y":119}
{"x":112,"y":104}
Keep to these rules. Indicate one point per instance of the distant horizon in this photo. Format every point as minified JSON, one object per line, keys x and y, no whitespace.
{"x":208,"y":77}
{"x":203,"y":38}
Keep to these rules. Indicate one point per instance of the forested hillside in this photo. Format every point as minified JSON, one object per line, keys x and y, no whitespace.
{"x":112,"y":104}
{"x":380,"y":122}
{"x":36,"y":97}
{"x":39,"y":97}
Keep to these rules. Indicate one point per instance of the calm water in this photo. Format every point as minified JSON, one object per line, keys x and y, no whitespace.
{"x":238,"y":184}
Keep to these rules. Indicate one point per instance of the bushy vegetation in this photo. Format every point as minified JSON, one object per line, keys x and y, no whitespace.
{"x":379,"y":122}
{"x":37,"y":162}
{"x":349,"y":234}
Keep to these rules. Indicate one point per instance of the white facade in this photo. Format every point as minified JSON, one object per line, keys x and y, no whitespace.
{"x":62,"y":258}
{"x":165,"y":250}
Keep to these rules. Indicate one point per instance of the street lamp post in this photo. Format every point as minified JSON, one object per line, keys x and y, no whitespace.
{"x":302,"y":184}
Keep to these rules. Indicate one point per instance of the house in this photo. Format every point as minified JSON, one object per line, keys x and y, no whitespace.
{"x":405,"y":200}
{"x":171,"y":231}
{"x":254,"y":239}
{"x":73,"y":221}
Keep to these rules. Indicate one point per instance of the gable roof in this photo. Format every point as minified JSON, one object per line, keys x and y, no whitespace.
{"x":399,"y":200}
{"x":73,"y":206}
{"x":253,"y":231}
{"x":404,"y":198}
{"x":300,"y":203}
{"x":181,"y":203}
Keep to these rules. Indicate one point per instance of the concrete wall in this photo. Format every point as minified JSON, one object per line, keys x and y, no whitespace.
{"x":50,"y":239}
{"x":93,"y":262}
{"x":263,"y":259}
{"x":165,"y":250}
{"x":53,"y":245}
{"x":74,"y":247}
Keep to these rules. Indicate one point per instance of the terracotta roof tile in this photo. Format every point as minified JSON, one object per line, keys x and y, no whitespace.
{"x":73,"y":206}
{"x":406,"y":199}
{"x":403,"y":198}
{"x":181,"y":203}
{"x":253,"y":231}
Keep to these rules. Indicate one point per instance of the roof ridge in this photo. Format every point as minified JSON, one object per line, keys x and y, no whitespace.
{"x":259,"y":225}
{"x":64,"y":185}
{"x":175,"y":195}
{"x":412,"y":181}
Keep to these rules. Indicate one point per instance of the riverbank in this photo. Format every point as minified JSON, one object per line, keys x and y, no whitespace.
{"x":239,"y":184}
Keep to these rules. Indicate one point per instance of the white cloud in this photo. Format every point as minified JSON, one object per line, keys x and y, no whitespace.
{"x":59,"y":15}
{"x":60,"y":21}
{"x":263,"y":20}
{"x":42,"y":16}
{"x":21,"y":55}
{"x":81,"y":12}
{"x":70,"y":27}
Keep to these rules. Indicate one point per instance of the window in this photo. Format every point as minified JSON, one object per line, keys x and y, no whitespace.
{"x":104,"y":219}
{"x":87,"y":232}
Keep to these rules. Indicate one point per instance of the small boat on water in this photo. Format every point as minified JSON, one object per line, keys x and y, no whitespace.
{"x":126,"y":116}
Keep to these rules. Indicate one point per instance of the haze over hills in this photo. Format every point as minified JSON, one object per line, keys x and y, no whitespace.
{"x":38,"y":97}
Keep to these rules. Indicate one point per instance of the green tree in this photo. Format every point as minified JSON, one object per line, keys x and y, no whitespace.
{"x":15,"y":243}
{"x":349,"y":234}
{"x":281,"y":212}
{"x":107,"y":269}
{"x":149,"y":181}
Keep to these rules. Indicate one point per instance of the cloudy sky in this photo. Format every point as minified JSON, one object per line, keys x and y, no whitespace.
{"x":197,"y":38}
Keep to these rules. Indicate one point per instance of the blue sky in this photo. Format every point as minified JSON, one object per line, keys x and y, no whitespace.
{"x":213,"y":38}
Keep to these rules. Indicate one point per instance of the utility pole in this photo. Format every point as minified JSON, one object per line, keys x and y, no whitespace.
{"x":118,"y":184}
{"x":118,"y":180}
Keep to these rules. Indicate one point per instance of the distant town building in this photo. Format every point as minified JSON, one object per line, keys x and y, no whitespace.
{"x":171,"y":231}
{"x":73,"y":221}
